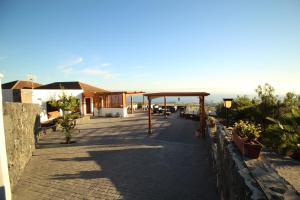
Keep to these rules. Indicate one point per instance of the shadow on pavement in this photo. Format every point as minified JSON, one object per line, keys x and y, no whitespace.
{"x":156,"y":172}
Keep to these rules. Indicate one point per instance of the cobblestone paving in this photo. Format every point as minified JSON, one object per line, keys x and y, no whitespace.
{"x":116,"y":159}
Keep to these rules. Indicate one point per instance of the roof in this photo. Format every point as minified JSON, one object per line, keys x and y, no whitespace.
{"x":90,"y":88}
{"x":19,"y":84}
{"x":176,"y":94}
{"x":128,"y":92}
{"x":73,"y":85}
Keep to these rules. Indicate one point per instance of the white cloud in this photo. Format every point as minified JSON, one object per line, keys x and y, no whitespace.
{"x":139,"y":67}
{"x":97,"y":72}
{"x":69,"y":66}
{"x":106,"y":64}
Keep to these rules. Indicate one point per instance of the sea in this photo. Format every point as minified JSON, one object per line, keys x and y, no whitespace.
{"x":212,"y":98}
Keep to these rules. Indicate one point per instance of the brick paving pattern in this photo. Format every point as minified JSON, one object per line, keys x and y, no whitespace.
{"x":116,"y":159}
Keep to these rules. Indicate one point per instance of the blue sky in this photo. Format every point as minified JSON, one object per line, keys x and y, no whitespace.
{"x":213,"y":46}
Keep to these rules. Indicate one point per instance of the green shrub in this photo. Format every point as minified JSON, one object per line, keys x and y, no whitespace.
{"x":283,"y":135}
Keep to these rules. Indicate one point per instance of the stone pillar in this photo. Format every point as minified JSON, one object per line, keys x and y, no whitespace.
{"x":5,"y":192}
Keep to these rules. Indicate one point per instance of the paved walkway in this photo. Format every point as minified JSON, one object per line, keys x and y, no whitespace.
{"x":116,"y":159}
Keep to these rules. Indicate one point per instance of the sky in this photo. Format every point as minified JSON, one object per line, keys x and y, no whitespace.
{"x":220,"y":47}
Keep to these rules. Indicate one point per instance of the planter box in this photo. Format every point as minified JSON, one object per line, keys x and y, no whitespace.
{"x":296,"y":155}
{"x":247,"y":149}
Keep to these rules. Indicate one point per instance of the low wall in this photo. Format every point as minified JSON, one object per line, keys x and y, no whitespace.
{"x":21,"y":123}
{"x":235,"y":179}
{"x":103,"y":112}
{"x":240,"y":177}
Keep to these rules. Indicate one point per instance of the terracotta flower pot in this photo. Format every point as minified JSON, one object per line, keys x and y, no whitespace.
{"x":251,"y":150}
{"x":295,"y":155}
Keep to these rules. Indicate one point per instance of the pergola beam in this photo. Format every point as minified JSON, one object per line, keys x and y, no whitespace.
{"x":172,"y":94}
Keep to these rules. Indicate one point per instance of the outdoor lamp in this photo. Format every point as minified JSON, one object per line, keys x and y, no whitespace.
{"x":227,"y":105}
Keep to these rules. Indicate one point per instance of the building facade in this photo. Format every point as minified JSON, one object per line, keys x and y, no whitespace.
{"x":93,"y":100}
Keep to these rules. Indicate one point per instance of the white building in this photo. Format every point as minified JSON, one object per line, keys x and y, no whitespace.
{"x":93,"y":100}
{"x":84,"y":92}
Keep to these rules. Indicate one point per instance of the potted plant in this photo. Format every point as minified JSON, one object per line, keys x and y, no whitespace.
{"x":212,"y":125}
{"x":244,"y":136}
{"x":211,"y":122}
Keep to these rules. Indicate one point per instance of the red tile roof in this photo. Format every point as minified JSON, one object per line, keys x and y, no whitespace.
{"x":19,"y":84}
{"x":73,"y":85}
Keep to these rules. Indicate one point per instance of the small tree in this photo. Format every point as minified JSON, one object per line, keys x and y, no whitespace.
{"x":68,"y":105}
{"x":268,"y":104}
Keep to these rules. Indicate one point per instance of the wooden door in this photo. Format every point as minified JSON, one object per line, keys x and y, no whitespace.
{"x":88,"y":105}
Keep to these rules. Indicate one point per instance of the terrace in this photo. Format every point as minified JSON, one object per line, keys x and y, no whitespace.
{"x":114,"y":158}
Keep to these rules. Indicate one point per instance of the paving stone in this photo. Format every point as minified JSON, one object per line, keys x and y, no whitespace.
{"x":116,"y":159}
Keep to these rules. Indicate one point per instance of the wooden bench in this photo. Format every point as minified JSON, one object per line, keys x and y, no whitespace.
{"x":50,"y":123}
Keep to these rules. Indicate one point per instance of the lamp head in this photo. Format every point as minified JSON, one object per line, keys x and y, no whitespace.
{"x":227,"y":103}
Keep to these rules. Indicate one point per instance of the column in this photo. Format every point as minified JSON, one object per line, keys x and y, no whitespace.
{"x":202,"y":115}
{"x":165,"y":104}
{"x":5,"y":192}
{"x":149,"y":116}
{"x":131,"y":104}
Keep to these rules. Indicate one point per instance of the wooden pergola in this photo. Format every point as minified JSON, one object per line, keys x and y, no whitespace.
{"x":123,"y":96}
{"x":131,"y":94}
{"x":201,"y":96}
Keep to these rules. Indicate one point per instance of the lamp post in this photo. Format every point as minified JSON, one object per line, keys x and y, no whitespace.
{"x":227,"y":105}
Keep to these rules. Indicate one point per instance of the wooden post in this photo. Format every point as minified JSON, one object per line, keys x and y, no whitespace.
{"x":131,"y":104}
{"x":165,"y":104}
{"x":143,"y":102}
{"x":202,"y":115}
{"x":149,"y":116}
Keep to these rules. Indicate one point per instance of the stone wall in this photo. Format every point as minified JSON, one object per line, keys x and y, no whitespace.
{"x":234,"y":181}
{"x":239,"y":177}
{"x":21,"y":123}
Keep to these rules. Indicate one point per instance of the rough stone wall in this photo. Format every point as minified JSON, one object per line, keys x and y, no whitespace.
{"x":21,"y":123}
{"x":240,"y":177}
{"x":234,"y":180}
